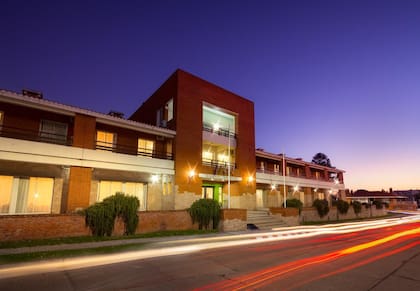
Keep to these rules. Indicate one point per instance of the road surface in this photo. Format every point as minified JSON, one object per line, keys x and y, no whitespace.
{"x":343,"y":257}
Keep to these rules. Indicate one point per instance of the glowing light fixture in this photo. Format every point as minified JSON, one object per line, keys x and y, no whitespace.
{"x":250,"y":180}
{"x":273,"y":187}
{"x":191,"y":174}
{"x":216,"y":126}
{"x":155,"y":179}
{"x":296,"y":188}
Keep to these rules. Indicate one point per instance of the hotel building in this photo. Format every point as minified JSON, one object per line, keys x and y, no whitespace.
{"x":191,"y":139}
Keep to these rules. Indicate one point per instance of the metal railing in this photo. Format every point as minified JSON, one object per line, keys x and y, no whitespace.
{"x":48,"y":137}
{"x":221,"y":131}
{"x":130,"y":150}
{"x":280,"y":173}
{"x":218,"y":164}
{"x":35,"y":135}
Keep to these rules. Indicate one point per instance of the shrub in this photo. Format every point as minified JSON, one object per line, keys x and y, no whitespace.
{"x":321,"y":206}
{"x":205,"y":211}
{"x":378,"y":204}
{"x":101,"y":216}
{"x":342,"y":206}
{"x":294,"y":203}
{"x":357,"y":207}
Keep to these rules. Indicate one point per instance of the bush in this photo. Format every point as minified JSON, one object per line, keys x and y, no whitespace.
{"x":205,"y":211}
{"x":321,"y":206}
{"x":294,"y":203}
{"x":378,"y":204}
{"x":342,"y":206}
{"x":357,"y":207}
{"x":101,"y":216}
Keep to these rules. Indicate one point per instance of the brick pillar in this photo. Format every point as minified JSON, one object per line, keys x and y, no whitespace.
{"x":79,"y":188}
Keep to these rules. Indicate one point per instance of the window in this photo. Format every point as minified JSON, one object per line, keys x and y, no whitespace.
{"x":1,"y":119}
{"x":159,"y":117}
{"x":221,"y":122}
{"x":25,"y":195}
{"x":217,"y":154}
{"x":52,"y":131}
{"x":105,"y":140}
{"x":109,"y":188}
{"x":145,"y":147}
{"x":169,"y":108}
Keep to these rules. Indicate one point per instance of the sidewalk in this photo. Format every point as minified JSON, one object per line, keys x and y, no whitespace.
{"x":173,"y":240}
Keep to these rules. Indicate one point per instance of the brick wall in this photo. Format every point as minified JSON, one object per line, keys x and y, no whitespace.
{"x":41,"y":226}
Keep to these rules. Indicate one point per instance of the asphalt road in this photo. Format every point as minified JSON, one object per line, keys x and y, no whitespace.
{"x":386,"y":258}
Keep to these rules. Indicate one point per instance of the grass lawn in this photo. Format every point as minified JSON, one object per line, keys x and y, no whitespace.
{"x":84,"y":239}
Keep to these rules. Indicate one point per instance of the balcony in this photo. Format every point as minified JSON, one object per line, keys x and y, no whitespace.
{"x":218,"y":165}
{"x":130,"y":150}
{"x":270,"y":177}
{"x":221,"y":131}
{"x":32,"y":135}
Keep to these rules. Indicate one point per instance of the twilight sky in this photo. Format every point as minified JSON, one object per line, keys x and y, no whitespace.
{"x":339,"y":77}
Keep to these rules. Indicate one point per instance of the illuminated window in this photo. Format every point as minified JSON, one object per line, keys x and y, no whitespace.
{"x":109,"y":188}
{"x":25,"y":195}
{"x":52,"y":131}
{"x":218,"y":120}
{"x":207,"y":156}
{"x":1,"y":118}
{"x":105,"y":140}
{"x":146,"y":147}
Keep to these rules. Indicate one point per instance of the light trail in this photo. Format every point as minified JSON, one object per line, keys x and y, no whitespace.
{"x":263,"y":277}
{"x":195,"y":245}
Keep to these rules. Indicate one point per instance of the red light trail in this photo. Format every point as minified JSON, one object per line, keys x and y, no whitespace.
{"x":399,"y":239}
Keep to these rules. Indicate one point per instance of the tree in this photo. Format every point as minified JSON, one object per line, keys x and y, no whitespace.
{"x":321,"y":159}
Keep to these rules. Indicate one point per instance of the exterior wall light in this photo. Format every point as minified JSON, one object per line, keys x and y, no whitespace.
{"x":273,"y":187}
{"x":191,"y":175}
{"x":250,"y":180}
{"x":296,"y":188}
{"x":155,"y":179}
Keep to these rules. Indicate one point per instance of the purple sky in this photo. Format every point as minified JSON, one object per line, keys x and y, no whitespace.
{"x":339,"y":77}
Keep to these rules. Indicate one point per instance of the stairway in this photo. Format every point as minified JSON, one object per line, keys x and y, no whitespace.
{"x":263,"y":219}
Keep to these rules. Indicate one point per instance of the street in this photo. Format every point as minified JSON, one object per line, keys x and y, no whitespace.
{"x":378,"y":257}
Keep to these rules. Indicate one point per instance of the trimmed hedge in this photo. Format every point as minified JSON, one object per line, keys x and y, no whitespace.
{"x":205,"y":211}
{"x":321,"y":206}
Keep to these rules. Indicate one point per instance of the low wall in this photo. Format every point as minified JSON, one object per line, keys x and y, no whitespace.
{"x":289,"y":215}
{"x":25,"y":227}
{"x":311,"y":214}
{"x":233,"y":220}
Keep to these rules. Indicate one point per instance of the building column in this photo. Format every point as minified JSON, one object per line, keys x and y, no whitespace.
{"x":79,"y":188}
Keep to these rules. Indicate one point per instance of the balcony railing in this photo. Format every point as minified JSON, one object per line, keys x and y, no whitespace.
{"x":221,"y":131}
{"x":218,"y":164}
{"x":130,"y":150}
{"x":47,"y":137}
{"x":35,"y":135}
{"x":279,"y":173}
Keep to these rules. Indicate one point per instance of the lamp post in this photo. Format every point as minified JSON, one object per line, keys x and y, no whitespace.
{"x":229,"y":166}
{"x":284,"y":180}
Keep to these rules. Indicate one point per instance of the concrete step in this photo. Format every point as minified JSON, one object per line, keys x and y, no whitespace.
{"x":263,"y":219}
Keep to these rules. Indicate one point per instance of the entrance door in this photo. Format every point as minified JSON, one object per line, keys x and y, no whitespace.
{"x":259,"y":197}
{"x":207,"y":192}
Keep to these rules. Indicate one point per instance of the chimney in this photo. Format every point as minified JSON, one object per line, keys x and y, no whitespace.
{"x":116,"y":114}
{"x":32,"y":93}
